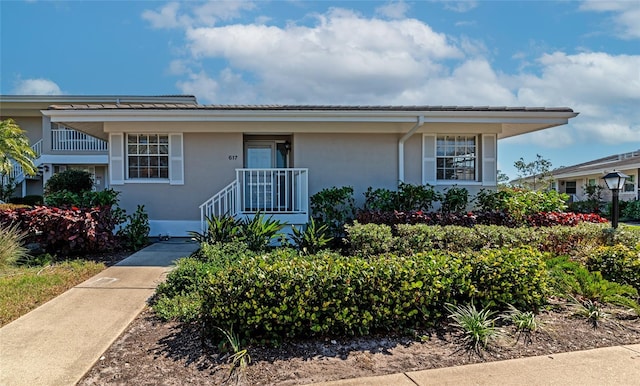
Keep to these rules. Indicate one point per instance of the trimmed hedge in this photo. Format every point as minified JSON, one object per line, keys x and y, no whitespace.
{"x":617,"y":263}
{"x":418,"y":238}
{"x":284,"y":295}
{"x":469,"y":219}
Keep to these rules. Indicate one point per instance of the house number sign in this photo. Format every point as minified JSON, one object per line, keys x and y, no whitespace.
{"x":233,"y":157}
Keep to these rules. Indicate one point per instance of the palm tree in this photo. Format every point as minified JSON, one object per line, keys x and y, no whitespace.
{"x":14,"y":148}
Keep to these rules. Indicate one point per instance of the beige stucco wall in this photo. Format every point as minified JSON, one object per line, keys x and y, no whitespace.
{"x":359,"y":159}
{"x":32,"y":125}
{"x":355,"y":160}
{"x":207,"y":170}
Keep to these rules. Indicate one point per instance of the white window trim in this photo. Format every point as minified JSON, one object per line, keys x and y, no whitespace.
{"x":478,"y":160}
{"x":483,"y":160}
{"x":124,"y":159}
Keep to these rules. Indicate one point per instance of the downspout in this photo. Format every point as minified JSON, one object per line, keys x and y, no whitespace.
{"x":420,"y":122}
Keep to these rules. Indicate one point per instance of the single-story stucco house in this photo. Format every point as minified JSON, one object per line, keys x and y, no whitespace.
{"x":574,"y":179}
{"x":184,"y":161}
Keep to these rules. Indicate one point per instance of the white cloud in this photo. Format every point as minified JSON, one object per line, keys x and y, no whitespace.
{"x":343,"y":57}
{"x":37,"y":86}
{"x":460,"y":6}
{"x":626,"y":15}
{"x":166,"y":17}
{"x":604,"y":88}
{"x":203,"y":14}
{"x":201,"y":85}
{"x":393,"y":10}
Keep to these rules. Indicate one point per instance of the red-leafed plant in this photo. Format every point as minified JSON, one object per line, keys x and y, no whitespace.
{"x":66,"y":231}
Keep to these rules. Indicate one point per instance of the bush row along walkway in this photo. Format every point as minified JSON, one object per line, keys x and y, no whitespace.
{"x":58,"y":342}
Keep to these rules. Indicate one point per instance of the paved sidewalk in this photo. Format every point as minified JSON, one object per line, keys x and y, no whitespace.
{"x":604,"y":366}
{"x":58,"y":342}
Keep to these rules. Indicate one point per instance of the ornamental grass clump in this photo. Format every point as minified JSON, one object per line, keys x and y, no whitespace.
{"x":477,"y":326}
{"x":11,"y":248}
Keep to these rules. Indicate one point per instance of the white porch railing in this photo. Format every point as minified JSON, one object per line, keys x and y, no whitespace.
{"x":222,"y":203}
{"x":283,"y":191}
{"x":72,"y":140}
{"x":273,"y":190}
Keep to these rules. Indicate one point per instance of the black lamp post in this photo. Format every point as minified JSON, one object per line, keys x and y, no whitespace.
{"x":615,"y":182}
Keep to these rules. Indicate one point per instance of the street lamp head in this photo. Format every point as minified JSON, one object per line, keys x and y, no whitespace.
{"x":615,"y":180}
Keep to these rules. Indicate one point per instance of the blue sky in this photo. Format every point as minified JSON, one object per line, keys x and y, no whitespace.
{"x":579,"y":54}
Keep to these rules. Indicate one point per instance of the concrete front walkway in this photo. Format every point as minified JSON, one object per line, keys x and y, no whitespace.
{"x":58,"y":342}
{"x":604,"y":366}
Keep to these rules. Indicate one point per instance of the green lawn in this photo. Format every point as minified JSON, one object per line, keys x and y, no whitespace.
{"x":24,"y":288}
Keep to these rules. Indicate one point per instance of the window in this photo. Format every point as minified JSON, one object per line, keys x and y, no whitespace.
{"x":629,"y":184}
{"x":591,"y":182}
{"x":571,"y":187}
{"x":456,"y":157}
{"x":147,"y":156}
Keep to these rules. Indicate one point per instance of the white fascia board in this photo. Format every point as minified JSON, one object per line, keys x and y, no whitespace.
{"x":595,"y":171}
{"x":74,"y":159}
{"x":196,"y":115}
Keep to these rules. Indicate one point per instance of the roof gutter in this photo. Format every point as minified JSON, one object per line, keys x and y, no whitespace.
{"x":420,"y":122}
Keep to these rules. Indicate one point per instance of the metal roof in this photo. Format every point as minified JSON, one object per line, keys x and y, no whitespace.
{"x":181,"y":106}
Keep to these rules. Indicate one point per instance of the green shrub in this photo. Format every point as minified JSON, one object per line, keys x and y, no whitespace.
{"x":577,"y":240}
{"x":416,"y":197}
{"x":489,"y":201}
{"x":312,"y":239}
{"x":179,"y":296}
{"x":334,"y":207}
{"x":570,"y":279}
{"x":618,"y":263}
{"x":220,"y":255}
{"x":369,"y":239}
{"x":11,"y":248}
{"x":521,"y":203}
{"x":407,"y":198}
{"x":135,"y":233}
{"x":509,"y":276}
{"x":455,"y":200}
{"x":86,"y":199}
{"x":222,"y":229}
{"x":71,"y":180}
{"x":284,"y":294}
{"x":624,"y":234}
{"x":632,"y":210}
{"x":259,"y":231}
{"x":380,"y":199}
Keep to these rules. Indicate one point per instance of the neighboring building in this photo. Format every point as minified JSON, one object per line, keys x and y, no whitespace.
{"x":574,"y":179}
{"x":185,"y":161}
{"x":58,"y":147}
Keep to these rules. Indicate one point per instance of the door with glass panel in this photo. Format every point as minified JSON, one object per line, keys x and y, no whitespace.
{"x":264,"y":188}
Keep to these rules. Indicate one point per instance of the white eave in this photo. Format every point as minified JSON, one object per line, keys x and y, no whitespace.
{"x":163,"y":115}
{"x":513,"y":122}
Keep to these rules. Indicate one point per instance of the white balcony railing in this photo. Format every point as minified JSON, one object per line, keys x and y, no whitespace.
{"x":72,"y":140}
{"x":269,"y":191}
